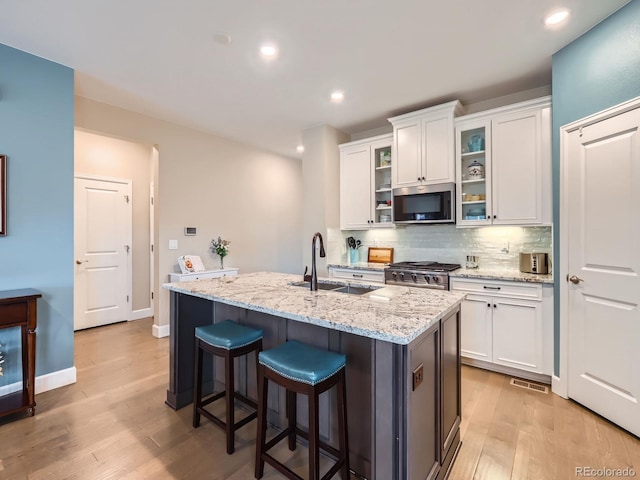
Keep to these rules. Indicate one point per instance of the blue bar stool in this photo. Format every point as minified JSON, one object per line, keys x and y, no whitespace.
{"x":228,"y":340}
{"x":309,"y":370}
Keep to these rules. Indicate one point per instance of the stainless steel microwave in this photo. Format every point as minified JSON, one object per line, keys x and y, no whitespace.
{"x":425,"y":204}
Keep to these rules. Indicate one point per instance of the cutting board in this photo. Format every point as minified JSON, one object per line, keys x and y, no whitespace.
{"x":380,"y":255}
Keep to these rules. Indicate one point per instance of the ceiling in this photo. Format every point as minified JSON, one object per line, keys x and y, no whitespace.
{"x":160,"y":57}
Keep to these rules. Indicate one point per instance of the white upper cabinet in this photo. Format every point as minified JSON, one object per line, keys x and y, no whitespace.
{"x":365,"y":183}
{"x":423,"y":146}
{"x":504,"y":165}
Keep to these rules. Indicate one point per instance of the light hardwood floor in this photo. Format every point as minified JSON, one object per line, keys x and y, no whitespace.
{"x":113,"y":423}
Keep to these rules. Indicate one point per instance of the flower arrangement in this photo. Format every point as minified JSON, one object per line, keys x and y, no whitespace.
{"x":221,"y":248}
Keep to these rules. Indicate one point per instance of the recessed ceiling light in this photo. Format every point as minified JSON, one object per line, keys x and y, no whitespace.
{"x":269,"y":50}
{"x":556,"y":18}
{"x":300,"y":148}
{"x":337,"y":96}
{"x":222,"y":38}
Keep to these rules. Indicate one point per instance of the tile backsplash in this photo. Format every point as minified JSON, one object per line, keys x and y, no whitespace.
{"x":497,"y":247}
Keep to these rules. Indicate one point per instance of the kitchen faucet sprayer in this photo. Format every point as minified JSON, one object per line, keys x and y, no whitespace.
{"x":314,"y":274}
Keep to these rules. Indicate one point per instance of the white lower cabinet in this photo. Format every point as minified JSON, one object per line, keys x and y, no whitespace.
{"x":510,"y":326}
{"x":476,"y":319}
{"x":369,"y":276}
{"x":517,"y":334}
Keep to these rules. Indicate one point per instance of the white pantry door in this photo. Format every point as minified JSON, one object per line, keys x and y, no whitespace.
{"x":102,"y":243}
{"x":604,"y":262}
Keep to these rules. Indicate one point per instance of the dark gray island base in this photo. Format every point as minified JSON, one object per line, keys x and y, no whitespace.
{"x":403,"y":399}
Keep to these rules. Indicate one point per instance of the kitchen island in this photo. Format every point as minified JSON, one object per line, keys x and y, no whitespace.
{"x":403,"y":361}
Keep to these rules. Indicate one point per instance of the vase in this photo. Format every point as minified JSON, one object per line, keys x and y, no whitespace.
{"x":354,"y":256}
{"x":222,"y":263}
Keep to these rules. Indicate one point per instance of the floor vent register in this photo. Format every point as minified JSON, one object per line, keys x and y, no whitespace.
{"x":516,"y":382}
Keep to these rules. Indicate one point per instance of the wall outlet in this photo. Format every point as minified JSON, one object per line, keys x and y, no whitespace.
{"x":418,"y":376}
{"x":173,"y":244}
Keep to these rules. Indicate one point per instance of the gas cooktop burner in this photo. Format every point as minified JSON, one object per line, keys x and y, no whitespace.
{"x":420,"y":274}
{"x":426,"y":266}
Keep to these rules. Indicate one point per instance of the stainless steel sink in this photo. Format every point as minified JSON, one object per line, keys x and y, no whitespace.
{"x":350,"y":289}
{"x":355,"y":290}
{"x":321,"y":285}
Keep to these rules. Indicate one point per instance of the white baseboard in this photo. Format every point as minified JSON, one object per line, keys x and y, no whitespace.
{"x":514,"y":372}
{"x":46,"y":382}
{"x":160,"y":331}
{"x":559,"y":387}
{"x":140,"y":314}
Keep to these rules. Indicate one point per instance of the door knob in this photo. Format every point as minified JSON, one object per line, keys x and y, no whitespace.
{"x":573,"y":279}
{"x":80,"y":262}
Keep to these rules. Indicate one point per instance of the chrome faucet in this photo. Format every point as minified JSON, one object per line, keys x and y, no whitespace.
{"x":314,"y":274}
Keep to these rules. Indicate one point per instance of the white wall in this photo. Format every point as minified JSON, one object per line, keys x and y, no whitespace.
{"x":112,"y":157}
{"x":248,"y":196}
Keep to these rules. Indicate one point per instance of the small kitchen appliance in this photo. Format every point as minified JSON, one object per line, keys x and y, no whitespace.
{"x":420,"y":274}
{"x":534,"y":263}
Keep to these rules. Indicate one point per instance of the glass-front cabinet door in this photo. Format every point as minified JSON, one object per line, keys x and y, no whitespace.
{"x":382,"y":182}
{"x":473,"y":173}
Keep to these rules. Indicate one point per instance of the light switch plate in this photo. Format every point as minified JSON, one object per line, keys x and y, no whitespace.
{"x":173,"y":244}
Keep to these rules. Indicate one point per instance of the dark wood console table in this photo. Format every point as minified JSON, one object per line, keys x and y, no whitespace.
{"x":18,"y":309}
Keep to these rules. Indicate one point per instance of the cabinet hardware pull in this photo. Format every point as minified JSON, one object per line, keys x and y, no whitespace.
{"x":489,"y":305}
{"x":490,"y":288}
{"x":356,"y":275}
{"x":495,"y":306}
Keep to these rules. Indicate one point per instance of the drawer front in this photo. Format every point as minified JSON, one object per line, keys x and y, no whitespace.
{"x":13,"y":313}
{"x":498,"y":289}
{"x":362,"y":275}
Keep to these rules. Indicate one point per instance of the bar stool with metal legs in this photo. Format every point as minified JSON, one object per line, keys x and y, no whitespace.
{"x":301,"y":368}
{"x":228,"y":340}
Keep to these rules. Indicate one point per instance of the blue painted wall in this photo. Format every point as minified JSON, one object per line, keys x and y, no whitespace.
{"x":595,"y":72}
{"x":36,"y":133}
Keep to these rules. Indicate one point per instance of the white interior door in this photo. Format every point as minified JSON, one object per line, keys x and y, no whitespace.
{"x":102,"y":244}
{"x":604,"y":261}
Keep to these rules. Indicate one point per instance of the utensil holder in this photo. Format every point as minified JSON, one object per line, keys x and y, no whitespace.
{"x":354,"y":255}
{"x":472,"y":261}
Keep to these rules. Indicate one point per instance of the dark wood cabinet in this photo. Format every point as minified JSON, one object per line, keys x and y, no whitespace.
{"x":18,"y":309}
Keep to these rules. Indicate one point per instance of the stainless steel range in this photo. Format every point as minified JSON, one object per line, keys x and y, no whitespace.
{"x":420,"y":274}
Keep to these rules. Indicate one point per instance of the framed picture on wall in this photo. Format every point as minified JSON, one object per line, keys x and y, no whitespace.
{"x":3,"y":194}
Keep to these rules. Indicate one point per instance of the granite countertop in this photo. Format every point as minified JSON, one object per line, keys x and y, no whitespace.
{"x":391,"y":313}
{"x":361,"y":266}
{"x":495,"y":274}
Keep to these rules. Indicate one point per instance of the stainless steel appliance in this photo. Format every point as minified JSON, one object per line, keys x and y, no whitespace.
{"x":420,"y":274}
{"x":534,"y":262}
{"x":424,"y":204}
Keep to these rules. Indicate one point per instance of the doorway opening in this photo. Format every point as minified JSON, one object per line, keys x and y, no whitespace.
{"x":101,"y":214}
